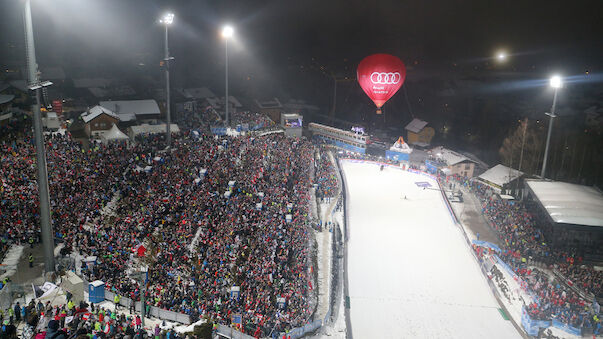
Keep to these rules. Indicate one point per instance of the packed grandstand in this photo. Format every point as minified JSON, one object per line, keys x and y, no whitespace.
{"x":213,"y":214}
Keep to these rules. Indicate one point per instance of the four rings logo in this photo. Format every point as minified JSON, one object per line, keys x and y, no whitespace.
{"x":385,"y":78}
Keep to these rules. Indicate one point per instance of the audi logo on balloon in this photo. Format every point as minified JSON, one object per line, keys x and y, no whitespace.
{"x":380,"y":76}
{"x":383,"y":78}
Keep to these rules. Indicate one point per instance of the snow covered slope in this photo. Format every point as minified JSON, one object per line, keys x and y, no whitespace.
{"x":411,"y":273}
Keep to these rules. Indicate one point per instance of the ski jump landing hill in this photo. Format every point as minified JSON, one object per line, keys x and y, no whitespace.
{"x":411,"y":272}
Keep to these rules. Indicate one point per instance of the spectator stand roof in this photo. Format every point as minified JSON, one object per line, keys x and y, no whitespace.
{"x":498,"y":176}
{"x":416,"y":125}
{"x":569,"y":203}
{"x":95,"y":112}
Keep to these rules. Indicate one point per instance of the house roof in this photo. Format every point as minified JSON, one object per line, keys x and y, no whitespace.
{"x":500,"y":175}
{"x":132,"y":107}
{"x":569,"y":203}
{"x":96,"y":111}
{"x":416,"y":125}
{"x":449,"y":156}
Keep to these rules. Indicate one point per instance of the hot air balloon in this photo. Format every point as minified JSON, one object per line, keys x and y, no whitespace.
{"x":381,"y":76}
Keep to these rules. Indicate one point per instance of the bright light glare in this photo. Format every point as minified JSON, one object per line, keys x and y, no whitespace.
{"x":167,"y":19}
{"x":556,"y":81}
{"x":227,"y":31}
{"x":501,"y":56}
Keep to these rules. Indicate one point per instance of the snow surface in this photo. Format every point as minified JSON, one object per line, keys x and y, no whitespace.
{"x":411,"y":273}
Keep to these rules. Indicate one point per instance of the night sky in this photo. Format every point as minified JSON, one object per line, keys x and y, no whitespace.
{"x":544,"y":34}
{"x":294,"y":49}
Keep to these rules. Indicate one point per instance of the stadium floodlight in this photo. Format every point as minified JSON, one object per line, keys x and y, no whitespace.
{"x":227,"y":31}
{"x":501,"y":56}
{"x":167,"y":19}
{"x":556,"y":82}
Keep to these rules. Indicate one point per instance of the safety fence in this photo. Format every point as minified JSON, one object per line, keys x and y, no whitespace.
{"x":229,"y":332}
{"x":346,"y":237}
{"x":585,"y":295}
{"x":534,"y":326}
{"x":154,"y":311}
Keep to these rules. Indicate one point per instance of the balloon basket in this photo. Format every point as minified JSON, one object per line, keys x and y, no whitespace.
{"x":379,"y":111}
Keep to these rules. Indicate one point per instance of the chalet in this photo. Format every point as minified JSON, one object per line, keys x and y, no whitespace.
{"x":450,"y":162}
{"x":418,"y":134}
{"x":134,"y":111}
{"x":98,"y":120}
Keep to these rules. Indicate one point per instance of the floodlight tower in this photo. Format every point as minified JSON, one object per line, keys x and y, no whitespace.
{"x":167,"y":20}
{"x":227,"y":33}
{"x":43,"y":195}
{"x":556,"y":82}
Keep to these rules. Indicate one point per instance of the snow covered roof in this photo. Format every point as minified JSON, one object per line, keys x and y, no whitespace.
{"x":569,"y":203}
{"x":132,"y":106}
{"x":153,"y":129}
{"x":500,"y":175}
{"x":449,"y":156}
{"x":95,"y":112}
{"x":114,"y":134}
{"x":416,"y":125}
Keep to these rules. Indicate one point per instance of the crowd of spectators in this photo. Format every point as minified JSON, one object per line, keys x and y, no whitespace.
{"x":252,"y":120}
{"x":523,"y":243}
{"x":203,"y":118}
{"x":178,"y":201}
{"x":79,"y":321}
{"x":325,"y":176}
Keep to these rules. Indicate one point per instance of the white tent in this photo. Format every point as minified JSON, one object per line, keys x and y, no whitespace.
{"x":114,"y":134}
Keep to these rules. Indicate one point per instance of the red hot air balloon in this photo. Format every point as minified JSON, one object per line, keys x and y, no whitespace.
{"x":381,"y":76}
